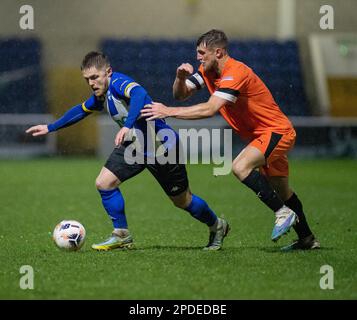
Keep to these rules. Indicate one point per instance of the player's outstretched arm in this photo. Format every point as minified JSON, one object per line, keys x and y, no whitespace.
{"x":207,"y":109}
{"x":72,"y":116}
{"x":39,"y":130}
{"x":180,"y":90}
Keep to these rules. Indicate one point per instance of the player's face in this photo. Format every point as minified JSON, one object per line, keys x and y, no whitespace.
{"x":97,"y":79}
{"x":207,"y":57}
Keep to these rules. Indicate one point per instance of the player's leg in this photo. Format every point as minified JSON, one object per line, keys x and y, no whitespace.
{"x":244,"y":167}
{"x":196,"y":206}
{"x":173,"y":179}
{"x":256,"y":155}
{"x":115,"y":171}
{"x":107,"y":184}
{"x":306,"y":239}
{"x":199,"y":209}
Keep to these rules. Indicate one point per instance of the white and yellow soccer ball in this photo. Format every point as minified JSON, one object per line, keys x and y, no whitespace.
{"x":69,"y":235}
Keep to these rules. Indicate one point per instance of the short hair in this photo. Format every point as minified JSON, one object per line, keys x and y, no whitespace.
{"x":95,"y":59}
{"x":213,"y":39}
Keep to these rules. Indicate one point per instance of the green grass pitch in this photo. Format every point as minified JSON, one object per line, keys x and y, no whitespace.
{"x":168,"y":262}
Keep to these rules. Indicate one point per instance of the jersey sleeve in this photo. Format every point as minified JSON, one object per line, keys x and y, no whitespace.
{"x":196,"y":80}
{"x":138,"y":99}
{"x":93,"y":104}
{"x":72,"y":116}
{"x":232,"y":82}
{"x":136,"y":95}
{"x":124,"y":86}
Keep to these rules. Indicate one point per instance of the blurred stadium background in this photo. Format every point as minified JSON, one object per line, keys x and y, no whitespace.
{"x":311,"y":72}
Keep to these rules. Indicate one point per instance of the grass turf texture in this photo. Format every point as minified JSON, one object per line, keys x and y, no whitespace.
{"x":168,"y":262}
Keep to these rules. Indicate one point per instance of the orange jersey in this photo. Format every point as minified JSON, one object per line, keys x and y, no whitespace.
{"x":251,"y":108}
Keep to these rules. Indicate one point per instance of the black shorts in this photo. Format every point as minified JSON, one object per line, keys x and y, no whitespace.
{"x":172,"y":177}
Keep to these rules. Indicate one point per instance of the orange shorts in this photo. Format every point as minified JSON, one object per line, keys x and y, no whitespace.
{"x":275,"y":148}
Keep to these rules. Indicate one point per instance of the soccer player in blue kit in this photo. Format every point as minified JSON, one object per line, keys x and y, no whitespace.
{"x":124,"y":98}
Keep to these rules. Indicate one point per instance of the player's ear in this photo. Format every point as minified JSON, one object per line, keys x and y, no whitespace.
{"x":109,"y":71}
{"x":219,"y":53}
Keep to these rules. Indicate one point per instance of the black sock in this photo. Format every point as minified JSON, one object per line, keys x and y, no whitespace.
{"x":302,"y":228}
{"x":260,"y":185}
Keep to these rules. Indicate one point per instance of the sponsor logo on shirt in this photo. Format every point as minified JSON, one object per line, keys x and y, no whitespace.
{"x":227,"y":78}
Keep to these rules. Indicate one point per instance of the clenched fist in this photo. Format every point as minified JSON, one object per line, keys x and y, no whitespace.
{"x":184,"y":71}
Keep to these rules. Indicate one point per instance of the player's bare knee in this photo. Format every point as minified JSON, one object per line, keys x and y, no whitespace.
{"x":241,"y":169}
{"x":99,"y":184}
{"x":105,"y":184}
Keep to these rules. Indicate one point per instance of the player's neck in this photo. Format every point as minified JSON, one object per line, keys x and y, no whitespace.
{"x":221,"y":64}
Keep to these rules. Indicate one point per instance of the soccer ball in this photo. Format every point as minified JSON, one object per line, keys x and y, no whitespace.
{"x":69,"y":235}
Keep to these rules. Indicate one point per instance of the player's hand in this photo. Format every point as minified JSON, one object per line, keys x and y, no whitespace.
{"x":120,"y":137}
{"x":184,"y":71}
{"x":38,"y":130}
{"x":156,"y":110}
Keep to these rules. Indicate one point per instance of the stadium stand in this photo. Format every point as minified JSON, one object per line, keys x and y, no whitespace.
{"x":153,"y":63}
{"x":22,"y":99}
{"x":21,"y":76}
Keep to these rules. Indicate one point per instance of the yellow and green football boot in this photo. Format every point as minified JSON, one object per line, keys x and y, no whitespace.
{"x":114,"y":242}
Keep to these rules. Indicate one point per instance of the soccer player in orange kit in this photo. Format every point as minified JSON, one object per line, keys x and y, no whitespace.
{"x":247,"y":105}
